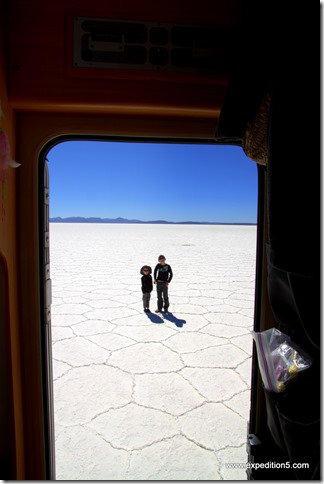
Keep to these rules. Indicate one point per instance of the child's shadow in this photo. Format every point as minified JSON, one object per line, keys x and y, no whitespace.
{"x":154,"y":318}
{"x":171,"y":317}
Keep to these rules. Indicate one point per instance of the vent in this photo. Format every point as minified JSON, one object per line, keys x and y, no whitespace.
{"x":116,"y":44}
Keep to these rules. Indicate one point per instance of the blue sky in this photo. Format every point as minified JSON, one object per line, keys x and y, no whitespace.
{"x":149,"y":181}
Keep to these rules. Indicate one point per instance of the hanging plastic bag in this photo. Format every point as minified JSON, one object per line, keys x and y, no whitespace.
{"x":279,"y":359}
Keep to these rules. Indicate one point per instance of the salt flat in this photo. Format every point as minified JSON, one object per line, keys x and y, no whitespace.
{"x":151,"y":396}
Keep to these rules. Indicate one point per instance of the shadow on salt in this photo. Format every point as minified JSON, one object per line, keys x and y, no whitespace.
{"x":156,"y":319}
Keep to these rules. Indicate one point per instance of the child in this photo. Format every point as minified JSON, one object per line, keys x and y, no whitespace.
{"x":147,"y":286}
{"x":162,"y":277}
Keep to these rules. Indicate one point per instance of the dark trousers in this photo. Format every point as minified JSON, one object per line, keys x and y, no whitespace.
{"x":146,"y":300}
{"x":162,"y":295}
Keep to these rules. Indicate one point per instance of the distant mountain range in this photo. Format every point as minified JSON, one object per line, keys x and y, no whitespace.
{"x":120,"y":220}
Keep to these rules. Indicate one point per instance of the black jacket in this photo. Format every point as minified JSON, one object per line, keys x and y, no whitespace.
{"x":163,"y":273}
{"x":147,"y":283}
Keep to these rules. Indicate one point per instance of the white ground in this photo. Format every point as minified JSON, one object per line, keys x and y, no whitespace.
{"x":151,"y":397}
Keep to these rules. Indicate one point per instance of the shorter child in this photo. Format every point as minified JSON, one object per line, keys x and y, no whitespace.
{"x":147,"y":286}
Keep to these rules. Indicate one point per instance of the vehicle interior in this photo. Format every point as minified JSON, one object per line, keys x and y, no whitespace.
{"x":234,"y":72}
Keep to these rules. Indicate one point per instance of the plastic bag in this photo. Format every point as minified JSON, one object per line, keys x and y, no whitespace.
{"x":279,"y":359}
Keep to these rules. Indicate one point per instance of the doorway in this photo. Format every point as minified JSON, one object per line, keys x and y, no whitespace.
{"x":141,"y":396}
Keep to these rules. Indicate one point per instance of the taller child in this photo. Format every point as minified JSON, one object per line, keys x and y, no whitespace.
{"x":162,"y":277}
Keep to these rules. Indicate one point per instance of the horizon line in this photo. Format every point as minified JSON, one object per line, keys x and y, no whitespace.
{"x":119,"y":220}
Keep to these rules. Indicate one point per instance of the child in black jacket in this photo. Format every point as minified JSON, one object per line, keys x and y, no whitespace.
{"x":147,"y":286}
{"x":162,"y":277}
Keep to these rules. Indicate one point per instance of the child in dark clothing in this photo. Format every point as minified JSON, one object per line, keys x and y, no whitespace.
{"x":162,"y":277}
{"x":147,"y":286}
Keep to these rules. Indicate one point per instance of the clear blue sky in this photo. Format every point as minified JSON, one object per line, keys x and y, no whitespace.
{"x":149,"y":181}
